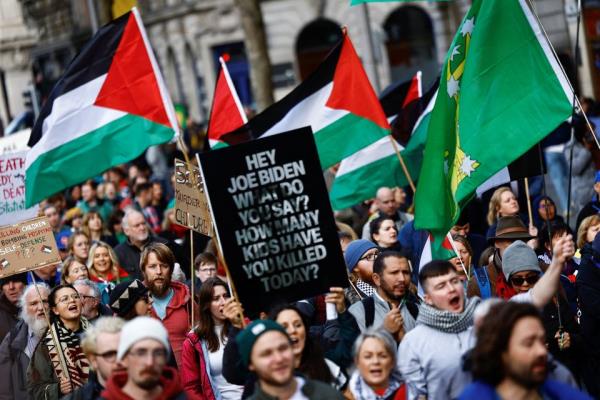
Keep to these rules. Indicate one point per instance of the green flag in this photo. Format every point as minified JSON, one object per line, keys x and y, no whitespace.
{"x":501,"y":91}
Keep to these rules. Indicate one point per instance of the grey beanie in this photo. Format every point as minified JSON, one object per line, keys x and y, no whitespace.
{"x":519,"y":257}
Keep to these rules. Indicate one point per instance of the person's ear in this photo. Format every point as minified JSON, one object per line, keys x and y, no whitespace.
{"x":376,"y":279}
{"x":251,"y":367}
{"x":427,"y":299}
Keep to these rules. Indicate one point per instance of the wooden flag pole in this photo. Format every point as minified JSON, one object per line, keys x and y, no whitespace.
{"x":61,"y":356}
{"x":192,"y":270}
{"x":529,"y":213}
{"x":402,"y":164}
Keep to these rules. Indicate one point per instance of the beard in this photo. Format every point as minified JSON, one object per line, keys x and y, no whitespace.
{"x":525,"y":377}
{"x":389,"y":292}
{"x":149,"y":382}
{"x":37,"y":325}
{"x":159,"y":289}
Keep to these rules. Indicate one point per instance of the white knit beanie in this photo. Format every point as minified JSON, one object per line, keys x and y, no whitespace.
{"x":141,"y":328}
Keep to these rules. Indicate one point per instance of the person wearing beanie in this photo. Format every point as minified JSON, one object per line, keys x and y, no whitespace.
{"x":359,"y":257}
{"x":12,"y":288}
{"x":143,"y":351}
{"x":266,"y":350}
{"x":130,"y":299}
{"x":489,"y":281}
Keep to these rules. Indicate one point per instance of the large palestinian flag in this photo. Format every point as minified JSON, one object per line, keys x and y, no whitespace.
{"x":108,"y":107}
{"x":336,"y":101}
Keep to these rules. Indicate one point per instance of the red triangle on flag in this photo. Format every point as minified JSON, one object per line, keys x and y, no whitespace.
{"x":225,"y":115}
{"x":352,"y":90}
{"x":131,"y":84}
{"x":414,"y":91}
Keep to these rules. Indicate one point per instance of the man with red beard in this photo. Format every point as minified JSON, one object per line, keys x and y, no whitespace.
{"x":170,"y":299}
{"x":392,"y":306}
{"x":143,"y":351}
{"x":510,"y":359}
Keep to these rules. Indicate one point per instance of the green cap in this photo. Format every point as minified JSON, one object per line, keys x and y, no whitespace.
{"x":246,"y":338}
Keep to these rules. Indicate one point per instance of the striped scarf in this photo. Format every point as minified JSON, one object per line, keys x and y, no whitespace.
{"x":77,"y":363}
{"x":447,"y":321}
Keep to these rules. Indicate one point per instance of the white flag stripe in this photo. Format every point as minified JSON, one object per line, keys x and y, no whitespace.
{"x":373,"y":152}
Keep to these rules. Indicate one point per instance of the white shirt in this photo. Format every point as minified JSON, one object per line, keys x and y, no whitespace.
{"x":215,"y":359}
{"x":298,"y":395}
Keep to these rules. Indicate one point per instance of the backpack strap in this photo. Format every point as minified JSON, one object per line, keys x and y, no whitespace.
{"x":369,"y":306}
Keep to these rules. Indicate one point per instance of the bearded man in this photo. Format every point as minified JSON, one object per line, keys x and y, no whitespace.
{"x":170,"y":299}
{"x":18,"y":345}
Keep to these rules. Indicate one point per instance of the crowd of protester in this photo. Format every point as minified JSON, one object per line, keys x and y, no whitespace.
{"x":515,"y":315}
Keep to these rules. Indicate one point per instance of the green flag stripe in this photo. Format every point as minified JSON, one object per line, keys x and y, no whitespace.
{"x":333,"y":141}
{"x":114,"y":143}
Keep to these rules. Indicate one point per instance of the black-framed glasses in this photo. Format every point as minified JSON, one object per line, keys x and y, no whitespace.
{"x":370,"y":256}
{"x":530,"y":279}
{"x":86,"y":297}
{"x":109,"y":356}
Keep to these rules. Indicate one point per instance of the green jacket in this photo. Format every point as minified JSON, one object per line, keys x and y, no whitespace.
{"x":42,"y":382}
{"x":314,"y":390}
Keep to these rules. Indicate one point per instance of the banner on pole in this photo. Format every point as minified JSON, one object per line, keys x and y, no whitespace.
{"x":26,"y":246}
{"x":273,"y":219}
{"x":191,"y":206}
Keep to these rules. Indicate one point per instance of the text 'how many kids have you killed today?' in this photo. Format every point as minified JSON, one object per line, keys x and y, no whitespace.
{"x":281,"y":224}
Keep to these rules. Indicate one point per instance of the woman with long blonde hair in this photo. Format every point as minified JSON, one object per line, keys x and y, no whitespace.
{"x":104,"y":269}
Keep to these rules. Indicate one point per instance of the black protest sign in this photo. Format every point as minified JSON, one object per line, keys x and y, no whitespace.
{"x":273,"y":219}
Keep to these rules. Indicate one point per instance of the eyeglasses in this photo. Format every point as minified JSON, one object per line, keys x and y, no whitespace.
{"x":85,"y":297}
{"x":159,"y":354}
{"x":109,"y":356}
{"x":519,"y":281}
{"x":65,"y":298}
{"x":370,"y":257}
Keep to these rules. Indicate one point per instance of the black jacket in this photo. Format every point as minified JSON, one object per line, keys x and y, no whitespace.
{"x":9,"y":315}
{"x":90,"y":391}
{"x":313,"y":390}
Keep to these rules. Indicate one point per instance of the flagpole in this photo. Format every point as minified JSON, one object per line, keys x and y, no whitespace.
{"x":193,"y":280}
{"x":529,"y":213}
{"x":220,"y":256}
{"x":402,"y":164}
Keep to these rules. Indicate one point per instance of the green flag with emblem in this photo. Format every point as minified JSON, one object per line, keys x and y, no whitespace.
{"x":501,"y":91}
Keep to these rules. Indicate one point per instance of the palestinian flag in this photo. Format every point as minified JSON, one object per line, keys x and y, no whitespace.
{"x":336,"y":101}
{"x":110,"y":105}
{"x":227,"y":113}
{"x":360,"y":175}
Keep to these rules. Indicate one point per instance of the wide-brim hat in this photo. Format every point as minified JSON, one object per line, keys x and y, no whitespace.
{"x":511,"y":228}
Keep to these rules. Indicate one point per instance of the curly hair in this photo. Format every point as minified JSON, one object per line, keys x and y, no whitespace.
{"x":493,"y":338}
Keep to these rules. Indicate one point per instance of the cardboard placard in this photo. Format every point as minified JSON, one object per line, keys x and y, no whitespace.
{"x":12,"y":189}
{"x":273,"y":219}
{"x":26,"y":246}
{"x":191,"y":206}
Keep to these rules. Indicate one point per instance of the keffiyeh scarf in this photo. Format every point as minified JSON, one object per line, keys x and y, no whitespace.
{"x":447,"y":321}
{"x":361,"y":390}
{"x":77,"y":363}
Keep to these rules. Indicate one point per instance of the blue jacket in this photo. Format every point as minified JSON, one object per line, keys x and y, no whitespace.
{"x":550,"y":389}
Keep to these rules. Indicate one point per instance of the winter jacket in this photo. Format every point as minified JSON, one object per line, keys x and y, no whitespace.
{"x":169,"y":381}
{"x":177,"y":318}
{"x":42,"y":382}
{"x":382,"y":307}
{"x":430,"y":362}
{"x":584,"y":172}
{"x":129,"y":256}
{"x":195,"y":370}
{"x":9,"y":314}
{"x":313,"y":390}
{"x":550,"y":390}
{"x":14,"y":363}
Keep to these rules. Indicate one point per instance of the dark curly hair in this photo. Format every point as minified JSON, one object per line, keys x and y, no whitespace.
{"x":493,"y":337}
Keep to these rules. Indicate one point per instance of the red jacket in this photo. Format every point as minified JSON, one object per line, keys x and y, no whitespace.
{"x":169,"y":382}
{"x":194,"y":374}
{"x":177,"y":319}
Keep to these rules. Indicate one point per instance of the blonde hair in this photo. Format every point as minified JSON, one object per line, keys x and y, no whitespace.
{"x":494,"y":205}
{"x":66,"y":266}
{"x":114,"y":268}
{"x":102,"y":325}
{"x":583,"y":228}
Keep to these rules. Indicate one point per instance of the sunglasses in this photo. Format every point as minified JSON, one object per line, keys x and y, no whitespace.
{"x":519,"y":281}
